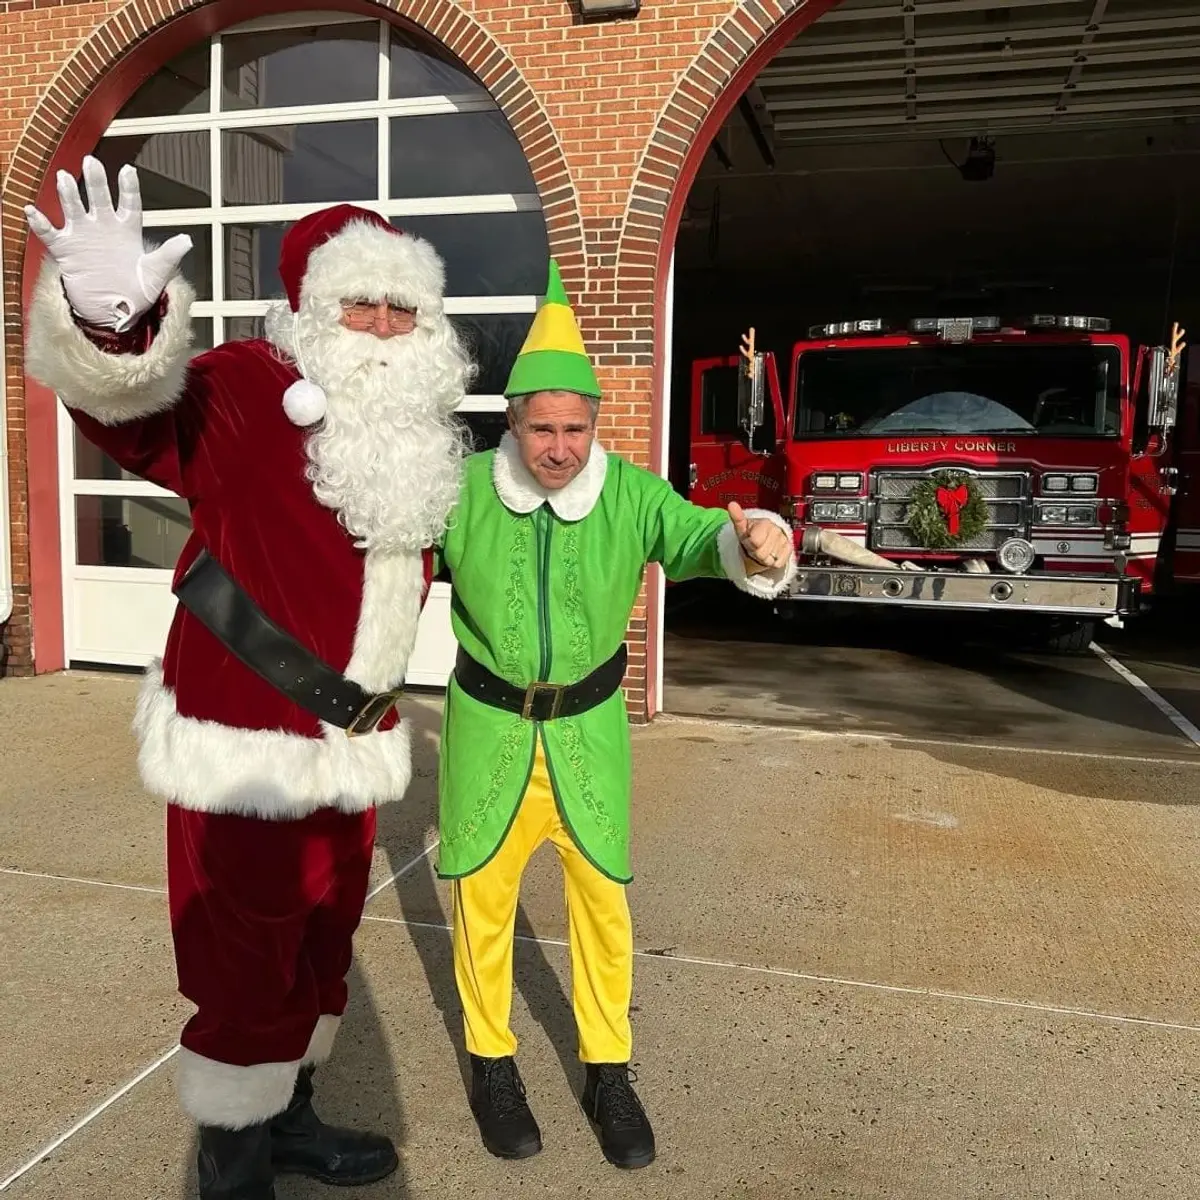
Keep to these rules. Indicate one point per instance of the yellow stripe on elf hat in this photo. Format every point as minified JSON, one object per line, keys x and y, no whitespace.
{"x":553,"y":358}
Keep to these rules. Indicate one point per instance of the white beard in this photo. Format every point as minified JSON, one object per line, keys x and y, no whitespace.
{"x":388,"y":455}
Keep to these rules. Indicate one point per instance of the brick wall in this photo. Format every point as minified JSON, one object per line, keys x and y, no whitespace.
{"x":606,"y":112}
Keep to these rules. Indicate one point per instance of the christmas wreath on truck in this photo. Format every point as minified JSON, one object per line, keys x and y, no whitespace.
{"x":946,"y":511}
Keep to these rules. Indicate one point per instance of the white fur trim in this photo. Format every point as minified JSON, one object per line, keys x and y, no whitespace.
{"x":305,"y":403}
{"x":267,"y":773}
{"x":393,"y":590}
{"x":365,"y":261}
{"x":766,"y":584}
{"x":320,"y":1045}
{"x":233,"y":1097}
{"x":521,"y":493}
{"x":112,"y":388}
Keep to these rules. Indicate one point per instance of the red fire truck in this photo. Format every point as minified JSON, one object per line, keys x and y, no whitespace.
{"x":1027,"y":467}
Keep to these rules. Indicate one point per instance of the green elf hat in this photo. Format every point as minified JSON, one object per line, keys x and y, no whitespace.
{"x":553,"y":358}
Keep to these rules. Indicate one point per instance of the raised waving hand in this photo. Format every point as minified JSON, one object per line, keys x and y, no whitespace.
{"x":109,"y":277}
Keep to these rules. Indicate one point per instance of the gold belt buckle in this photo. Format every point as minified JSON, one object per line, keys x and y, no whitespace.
{"x":371,"y":713}
{"x":531,"y":695}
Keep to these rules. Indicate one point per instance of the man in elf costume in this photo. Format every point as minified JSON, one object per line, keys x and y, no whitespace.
{"x":318,"y":463}
{"x":546,"y":552}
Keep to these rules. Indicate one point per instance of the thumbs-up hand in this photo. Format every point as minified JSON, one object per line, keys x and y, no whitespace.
{"x":762,"y":541}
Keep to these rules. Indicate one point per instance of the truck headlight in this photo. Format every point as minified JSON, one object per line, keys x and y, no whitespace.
{"x":835,"y":510}
{"x":1051,"y":514}
{"x":1016,"y":555}
{"x":1082,"y":514}
{"x":827,"y":481}
{"x":1085,"y":484}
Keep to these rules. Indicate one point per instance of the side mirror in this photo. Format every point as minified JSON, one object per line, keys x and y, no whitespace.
{"x":752,"y":397}
{"x":1163,"y":387}
{"x":1163,"y":390}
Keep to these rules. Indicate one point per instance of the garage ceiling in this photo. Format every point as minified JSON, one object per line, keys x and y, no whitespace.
{"x":923,"y":68}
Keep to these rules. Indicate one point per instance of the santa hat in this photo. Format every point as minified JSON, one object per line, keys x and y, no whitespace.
{"x":350,"y":253}
{"x":553,"y":358}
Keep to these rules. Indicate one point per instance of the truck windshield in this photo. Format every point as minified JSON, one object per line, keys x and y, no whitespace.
{"x":1055,"y":391}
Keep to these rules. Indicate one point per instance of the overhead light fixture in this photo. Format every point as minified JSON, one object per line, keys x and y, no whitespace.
{"x":980,"y":163}
{"x":598,"y":10}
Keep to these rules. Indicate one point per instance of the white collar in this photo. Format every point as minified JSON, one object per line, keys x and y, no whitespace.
{"x":520,"y":492}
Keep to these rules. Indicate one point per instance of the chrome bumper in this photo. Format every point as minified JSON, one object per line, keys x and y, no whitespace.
{"x":1066,"y":595}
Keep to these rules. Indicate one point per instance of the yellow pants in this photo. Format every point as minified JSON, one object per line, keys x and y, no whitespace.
{"x":601,"y":936}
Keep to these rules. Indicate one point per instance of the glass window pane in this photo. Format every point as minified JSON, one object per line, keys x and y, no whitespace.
{"x":202,"y":334}
{"x":456,"y":154}
{"x":92,"y":463}
{"x":252,"y":261}
{"x":487,"y":428}
{"x":488,"y":254}
{"x":240,"y":329}
{"x":126,"y":531}
{"x":173,"y":168}
{"x":180,"y":87}
{"x":300,"y":164}
{"x":493,"y":342}
{"x":419,"y":69}
{"x":197,"y":263}
{"x":321,"y":64}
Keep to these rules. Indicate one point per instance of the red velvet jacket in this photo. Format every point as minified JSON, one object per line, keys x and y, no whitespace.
{"x":214,"y":735}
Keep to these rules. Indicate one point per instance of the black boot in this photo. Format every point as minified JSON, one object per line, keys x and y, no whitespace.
{"x":611,"y":1104}
{"x":498,"y":1102}
{"x":302,"y":1144}
{"x":235,"y":1164}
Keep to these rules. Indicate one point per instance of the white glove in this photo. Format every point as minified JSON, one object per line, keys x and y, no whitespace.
{"x":109,"y":278}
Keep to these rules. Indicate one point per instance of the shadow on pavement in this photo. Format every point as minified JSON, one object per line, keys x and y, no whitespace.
{"x":419,"y":893}
{"x":356,"y":1088}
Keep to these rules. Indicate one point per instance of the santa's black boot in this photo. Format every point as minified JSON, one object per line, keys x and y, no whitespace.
{"x":235,"y":1164}
{"x":613,"y":1107}
{"x":302,"y":1144}
{"x":498,"y":1102}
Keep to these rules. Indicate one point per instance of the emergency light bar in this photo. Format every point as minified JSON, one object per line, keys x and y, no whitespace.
{"x":848,"y":328}
{"x":954,"y":329}
{"x":1086,"y":324}
{"x":959,"y":329}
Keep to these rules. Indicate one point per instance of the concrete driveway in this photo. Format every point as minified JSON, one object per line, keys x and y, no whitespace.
{"x":868,"y":970}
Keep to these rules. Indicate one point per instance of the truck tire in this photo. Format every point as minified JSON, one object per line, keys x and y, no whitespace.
{"x":1069,"y":637}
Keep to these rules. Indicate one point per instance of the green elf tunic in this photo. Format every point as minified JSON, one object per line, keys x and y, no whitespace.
{"x":544,"y":584}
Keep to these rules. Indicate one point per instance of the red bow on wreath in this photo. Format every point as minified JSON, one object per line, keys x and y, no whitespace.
{"x":951,"y":502}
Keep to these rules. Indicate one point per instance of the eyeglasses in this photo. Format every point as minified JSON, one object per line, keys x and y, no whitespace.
{"x":362,"y":314}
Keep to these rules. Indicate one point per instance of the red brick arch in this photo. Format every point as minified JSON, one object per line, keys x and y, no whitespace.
{"x":68,"y":121}
{"x":174,"y":24}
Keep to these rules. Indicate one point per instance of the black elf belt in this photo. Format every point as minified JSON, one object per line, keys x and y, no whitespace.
{"x":217,"y":601}
{"x":541,"y":701}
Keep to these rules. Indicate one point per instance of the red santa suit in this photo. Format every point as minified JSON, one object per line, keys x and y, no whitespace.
{"x":271,"y":812}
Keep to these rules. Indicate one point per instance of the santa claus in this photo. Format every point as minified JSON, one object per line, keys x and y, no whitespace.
{"x":319,"y":464}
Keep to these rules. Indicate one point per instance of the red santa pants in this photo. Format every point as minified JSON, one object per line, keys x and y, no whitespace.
{"x":263,"y":915}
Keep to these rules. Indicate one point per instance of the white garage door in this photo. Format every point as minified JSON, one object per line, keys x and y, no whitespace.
{"x":233,"y":140}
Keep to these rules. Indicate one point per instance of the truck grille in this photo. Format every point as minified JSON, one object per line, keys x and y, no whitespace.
{"x":1006,"y":494}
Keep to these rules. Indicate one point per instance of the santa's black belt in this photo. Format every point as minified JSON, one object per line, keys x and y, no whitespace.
{"x":541,"y":701}
{"x":218,"y":602}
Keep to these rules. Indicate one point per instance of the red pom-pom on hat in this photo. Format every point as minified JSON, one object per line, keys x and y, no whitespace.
{"x":312,"y":231}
